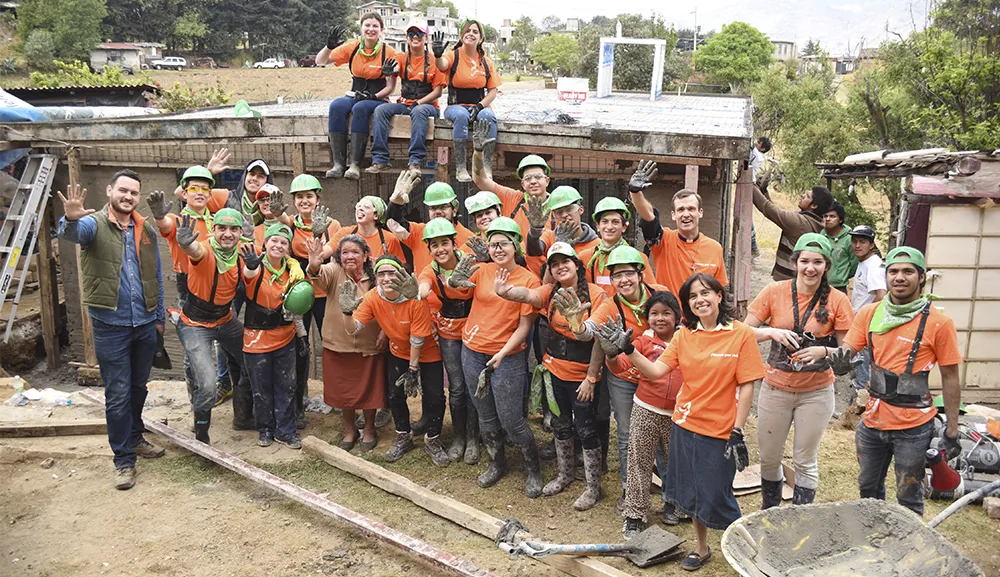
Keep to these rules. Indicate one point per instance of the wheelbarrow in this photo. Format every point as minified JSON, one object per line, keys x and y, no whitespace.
{"x":867,"y":538}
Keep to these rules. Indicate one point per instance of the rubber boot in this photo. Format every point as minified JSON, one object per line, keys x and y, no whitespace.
{"x":202,"y":420}
{"x":338,"y":151}
{"x":489,"y":149}
{"x":533,"y":466}
{"x":458,"y":425}
{"x":770,"y":493}
{"x":419,"y":428}
{"x":803,"y":496}
{"x":548,"y":450}
{"x":564,"y":467}
{"x":359,"y":142}
{"x":498,"y":466}
{"x":462,"y":161}
{"x":243,"y":406}
{"x":472,"y":437}
{"x":301,"y":384}
{"x":594,"y":492}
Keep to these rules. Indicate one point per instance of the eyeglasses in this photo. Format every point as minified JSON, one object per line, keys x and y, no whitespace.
{"x":500,"y":245}
{"x":624,"y":274}
{"x":415,"y":34}
{"x":533,"y":178}
{"x":197,"y":188}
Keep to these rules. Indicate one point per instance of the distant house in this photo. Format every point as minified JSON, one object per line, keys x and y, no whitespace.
{"x":383,"y":9}
{"x":784,"y":50}
{"x":572,"y":25}
{"x":123,"y":54}
{"x":436,"y":20}
{"x":149,"y":51}
{"x":845,"y":65}
{"x":506,"y":33}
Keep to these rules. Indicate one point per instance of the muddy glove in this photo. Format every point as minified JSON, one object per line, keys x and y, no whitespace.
{"x":567,"y":302}
{"x":613,"y":340}
{"x":459,"y":278}
{"x":302,"y":346}
{"x":251,"y":259}
{"x":480,"y":135}
{"x":278,"y":203}
{"x":474,"y":112}
{"x":186,"y":234}
{"x":952,"y":448}
{"x":336,"y":37}
{"x":736,"y":449}
{"x":405,"y":284}
{"x":409,"y":382}
{"x":390,"y":67}
{"x":360,"y":95}
{"x":536,"y":211}
{"x":643,"y":176}
{"x":566,"y":232}
{"x":158,"y":204}
{"x":404,"y":186}
{"x":321,"y":221}
{"x":348,"y":301}
{"x":479,"y":247}
{"x":840,"y":361}
{"x":437,"y":44}
{"x":483,"y":386}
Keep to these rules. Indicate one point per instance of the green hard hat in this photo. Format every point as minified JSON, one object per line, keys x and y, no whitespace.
{"x":609,"y":203}
{"x":197,"y":172}
{"x":300,"y":298}
{"x":563,"y":196}
{"x":437,"y":228}
{"x":939,"y":405}
{"x":481,"y":201}
{"x":904,"y":254}
{"x":228,"y":217}
{"x":532,"y":160}
{"x":506,"y":226}
{"x":626,"y":255}
{"x":814,"y":242}
{"x":440,"y":193}
{"x":305,"y":182}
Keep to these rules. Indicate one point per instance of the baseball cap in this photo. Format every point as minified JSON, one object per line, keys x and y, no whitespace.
{"x":265,"y":191}
{"x":865,"y":231}
{"x":418,"y":25}
{"x":562,"y":248}
{"x":261,"y":165}
{"x":905,"y":254}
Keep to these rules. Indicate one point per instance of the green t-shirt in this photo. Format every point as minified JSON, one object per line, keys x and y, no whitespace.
{"x":844,"y":262}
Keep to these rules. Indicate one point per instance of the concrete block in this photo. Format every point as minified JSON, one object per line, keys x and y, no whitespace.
{"x":989,"y":250}
{"x":955,"y":220}
{"x":991,"y":219}
{"x":988,"y":283}
{"x":986,"y":315}
{"x":992,"y":506}
{"x":985,"y":345}
{"x":959,"y":311}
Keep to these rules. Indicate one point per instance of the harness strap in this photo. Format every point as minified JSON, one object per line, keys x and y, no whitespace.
{"x":912,"y":359}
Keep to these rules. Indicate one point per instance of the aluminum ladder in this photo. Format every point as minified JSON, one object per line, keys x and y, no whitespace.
{"x":24,"y":216}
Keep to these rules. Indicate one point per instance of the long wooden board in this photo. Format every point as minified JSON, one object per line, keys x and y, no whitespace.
{"x":459,"y":513}
{"x":51,"y":428}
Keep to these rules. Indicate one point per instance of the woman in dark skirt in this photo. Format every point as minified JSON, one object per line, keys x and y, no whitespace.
{"x":721,"y":362}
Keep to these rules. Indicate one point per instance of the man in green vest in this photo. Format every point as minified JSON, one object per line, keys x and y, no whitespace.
{"x":843,"y":262}
{"x":123,"y":292}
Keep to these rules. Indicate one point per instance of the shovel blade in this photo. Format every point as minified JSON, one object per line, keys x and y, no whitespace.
{"x":654,"y":546}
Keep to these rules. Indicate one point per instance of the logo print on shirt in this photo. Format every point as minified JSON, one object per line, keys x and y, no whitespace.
{"x":683,"y":410}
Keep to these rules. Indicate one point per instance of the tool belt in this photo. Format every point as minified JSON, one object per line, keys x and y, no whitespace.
{"x":455,"y":309}
{"x":260,"y":318}
{"x":415,"y":90}
{"x":779,"y":357}
{"x":366,"y":85}
{"x":908,"y":389}
{"x":566,"y":349}
{"x":206,"y":311}
{"x":466,"y":96}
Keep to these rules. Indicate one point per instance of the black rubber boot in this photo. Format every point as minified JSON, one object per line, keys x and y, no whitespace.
{"x":472,"y":437}
{"x":770,"y":493}
{"x":548,"y":450}
{"x":489,"y":149}
{"x":359,"y":142}
{"x":338,"y":151}
{"x":243,"y":406}
{"x":533,"y":466}
{"x":462,"y":161}
{"x":459,"y":428}
{"x":202,"y":420}
{"x":498,"y":466}
{"x":803,"y":496}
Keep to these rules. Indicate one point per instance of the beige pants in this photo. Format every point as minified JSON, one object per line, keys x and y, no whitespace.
{"x":777,"y":411}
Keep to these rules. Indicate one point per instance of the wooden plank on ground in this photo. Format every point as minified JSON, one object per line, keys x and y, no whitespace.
{"x":48,"y":289}
{"x":52,"y":428}
{"x":86,"y":328}
{"x":469,"y":517}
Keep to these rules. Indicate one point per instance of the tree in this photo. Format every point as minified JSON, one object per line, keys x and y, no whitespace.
{"x":737,"y":56}
{"x":188,"y":30}
{"x":552,"y":22}
{"x":557,"y":52}
{"x":75,"y":25}
{"x":39,"y":50}
{"x":423,"y":5}
{"x":140,"y":20}
{"x":811,"y":48}
{"x":633,"y":64}
{"x":522,"y":37}
{"x":490,"y":33}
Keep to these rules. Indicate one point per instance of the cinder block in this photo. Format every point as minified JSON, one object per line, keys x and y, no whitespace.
{"x":985,"y":345}
{"x":986,"y":315}
{"x":989,"y":250}
{"x":958,"y":310}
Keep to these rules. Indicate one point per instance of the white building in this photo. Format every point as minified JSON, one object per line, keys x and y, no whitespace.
{"x":572,"y":25}
{"x":122,"y":54}
{"x":383,"y":9}
{"x":506,"y":33}
{"x":784,"y":50}
{"x":437,"y":19}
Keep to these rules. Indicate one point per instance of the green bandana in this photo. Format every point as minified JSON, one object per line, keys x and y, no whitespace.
{"x":206,"y":215}
{"x":889,"y":315}
{"x":446,"y":273}
{"x":275,"y":273}
{"x":361,"y":48}
{"x":225,"y":258}
{"x":384,"y":260}
{"x":299,"y":223}
{"x":638,"y":309}
{"x":542,"y":377}
{"x":601,"y":254}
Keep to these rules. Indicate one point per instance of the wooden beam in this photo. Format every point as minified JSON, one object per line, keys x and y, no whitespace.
{"x":48,"y":288}
{"x":586,"y":153}
{"x":446,"y":507}
{"x":86,"y":328}
{"x":420,"y":549}
{"x":691,"y":177}
{"x":298,"y":158}
{"x":742,"y":223}
{"x":52,"y":428}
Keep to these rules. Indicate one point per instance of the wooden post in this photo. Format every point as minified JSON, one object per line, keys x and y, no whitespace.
{"x":48,"y":288}
{"x":742,"y":259}
{"x":691,"y":177}
{"x":86,"y":328}
{"x":298,"y":158}
{"x":442,"y":166}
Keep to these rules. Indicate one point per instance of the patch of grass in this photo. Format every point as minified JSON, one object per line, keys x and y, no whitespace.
{"x":187,"y":469}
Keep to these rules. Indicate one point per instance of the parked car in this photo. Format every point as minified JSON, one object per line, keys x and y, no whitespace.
{"x":307,"y":61}
{"x":270,"y":63}
{"x":169,"y":63}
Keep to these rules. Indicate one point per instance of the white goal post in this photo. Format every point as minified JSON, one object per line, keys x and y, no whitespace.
{"x":606,"y":63}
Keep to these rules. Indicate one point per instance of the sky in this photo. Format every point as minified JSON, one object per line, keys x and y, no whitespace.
{"x":839,"y":25}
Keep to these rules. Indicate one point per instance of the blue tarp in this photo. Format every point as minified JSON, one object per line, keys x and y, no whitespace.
{"x":17,"y":114}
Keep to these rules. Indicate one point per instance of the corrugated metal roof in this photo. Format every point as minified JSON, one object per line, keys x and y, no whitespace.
{"x":117,"y":46}
{"x":37,"y":90}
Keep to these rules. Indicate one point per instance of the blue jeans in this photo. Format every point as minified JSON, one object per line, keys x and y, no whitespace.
{"x":621,"y":392}
{"x":501,"y":408}
{"x":418,"y":130}
{"x":360,"y":113}
{"x":862,"y":372}
{"x":272,"y":378}
{"x":125,"y":355}
{"x":876,"y":448}
{"x":197,"y":343}
{"x":451,"y":353}
{"x":459,"y":116}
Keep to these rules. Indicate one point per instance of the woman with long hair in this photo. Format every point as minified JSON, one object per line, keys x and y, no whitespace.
{"x":804,"y":319}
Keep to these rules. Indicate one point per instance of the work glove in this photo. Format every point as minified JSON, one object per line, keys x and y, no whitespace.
{"x":251,"y":259}
{"x":303,"y":346}
{"x":459,"y":278}
{"x":480,"y":134}
{"x":612,"y":339}
{"x":567,"y":302}
{"x":360,"y":95}
{"x":158,"y":204}
{"x":840,"y":361}
{"x":405,"y":284}
{"x":474,"y":112}
{"x":278,"y":203}
{"x":409,"y":382}
{"x":952,"y":448}
{"x":478,"y":246}
{"x":390,"y":67}
{"x":483,"y":385}
{"x":336,"y":37}
{"x":321,"y":221}
{"x":437,"y":44}
{"x":643,"y":176}
{"x":567,"y":232}
{"x":349,"y":302}
{"x":736,"y":449}
{"x":186,"y":234}
{"x":536,"y":211}
{"x":404,"y":186}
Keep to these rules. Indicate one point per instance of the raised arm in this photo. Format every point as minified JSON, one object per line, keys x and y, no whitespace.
{"x":480,"y":136}
{"x":518,"y":294}
{"x":335,"y":39}
{"x":641,"y":179}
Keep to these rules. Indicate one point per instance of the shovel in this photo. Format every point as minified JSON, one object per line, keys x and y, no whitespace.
{"x":651,"y":547}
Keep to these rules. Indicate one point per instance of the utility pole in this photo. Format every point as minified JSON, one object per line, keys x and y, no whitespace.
{"x":695,"y":46}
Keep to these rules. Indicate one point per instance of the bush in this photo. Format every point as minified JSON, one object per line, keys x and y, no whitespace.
{"x":8,"y":66}
{"x":77,"y":73}
{"x":180,"y":97}
{"x":40,"y":50}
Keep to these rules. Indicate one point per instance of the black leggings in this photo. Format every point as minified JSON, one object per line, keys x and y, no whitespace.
{"x":431,"y":395}
{"x":575,"y":414}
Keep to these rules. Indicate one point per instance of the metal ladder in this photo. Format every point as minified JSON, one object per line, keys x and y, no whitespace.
{"x":24,"y":216}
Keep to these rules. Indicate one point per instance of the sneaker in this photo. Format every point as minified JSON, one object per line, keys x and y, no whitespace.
{"x":670,"y":516}
{"x":125,"y":478}
{"x":631,"y":527}
{"x":148,"y":450}
{"x":292,"y":443}
{"x":265,"y":438}
{"x":436,"y":451}
{"x":223,"y":392}
{"x":377,"y":168}
{"x":382,"y":418}
{"x":403,"y":444}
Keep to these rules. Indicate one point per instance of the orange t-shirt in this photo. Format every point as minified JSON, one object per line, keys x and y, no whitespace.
{"x":601,"y":276}
{"x":566,"y":370}
{"x":422,"y":254}
{"x":268,"y":295}
{"x":548,"y":239}
{"x":367,"y":67}
{"x":470,"y":72}
{"x":510,"y":200}
{"x":400,"y":321}
{"x":180,"y":258}
{"x":416,"y":71}
{"x":300,"y":248}
{"x":392,"y":245}
{"x":773,"y":306}
{"x":493,"y":320}
{"x":447,"y":328}
{"x":661,"y":394}
{"x":609,"y":310}
{"x":218,"y":199}
{"x":714,"y":364}
{"x":939,"y":346}
{"x":676,"y":259}
{"x":201,"y":275}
